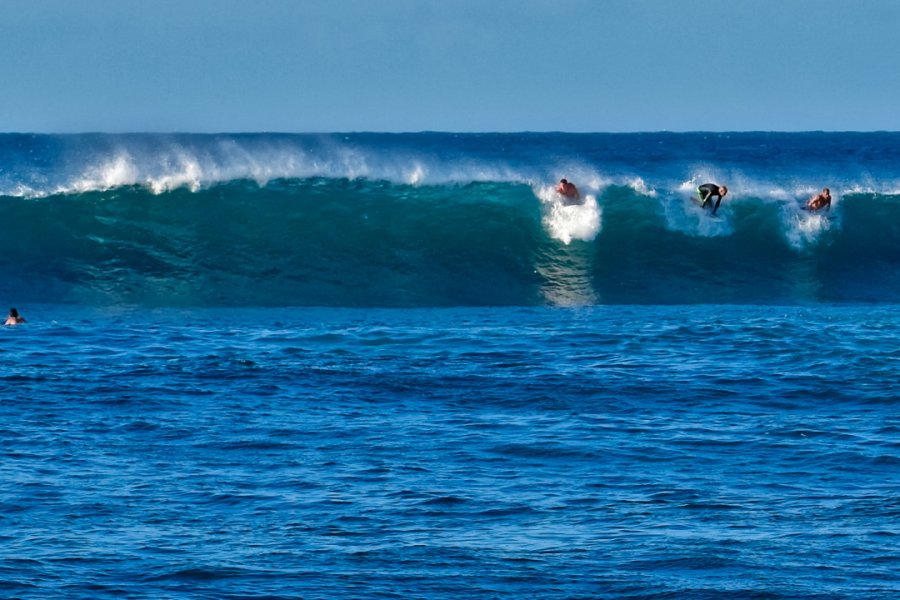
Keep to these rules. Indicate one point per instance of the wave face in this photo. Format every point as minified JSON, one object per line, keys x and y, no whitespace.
{"x":444,"y":219}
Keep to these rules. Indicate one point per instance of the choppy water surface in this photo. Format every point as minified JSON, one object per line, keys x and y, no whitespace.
{"x":628,"y":452}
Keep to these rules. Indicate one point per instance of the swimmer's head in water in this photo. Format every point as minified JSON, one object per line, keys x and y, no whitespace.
{"x":13,"y":313}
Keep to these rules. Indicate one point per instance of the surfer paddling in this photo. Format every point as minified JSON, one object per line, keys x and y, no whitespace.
{"x":820,"y":201}
{"x":708,"y":190}
{"x":567,"y":190}
{"x":14,"y":318}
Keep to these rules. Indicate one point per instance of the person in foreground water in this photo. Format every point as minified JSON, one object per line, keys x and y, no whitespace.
{"x":14,"y":318}
{"x":819,"y":201}
{"x":567,"y":190}
{"x":708,"y":190}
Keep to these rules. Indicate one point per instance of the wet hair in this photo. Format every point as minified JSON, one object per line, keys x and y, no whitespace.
{"x":826,"y":191}
{"x":563,"y":181}
{"x":13,"y":313}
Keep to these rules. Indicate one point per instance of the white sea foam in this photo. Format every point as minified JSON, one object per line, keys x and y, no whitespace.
{"x":117,"y":171}
{"x":262,"y":165}
{"x":687,"y":216}
{"x":803,"y":228}
{"x":569,"y":222}
{"x":640,"y":186}
{"x":182,"y":170}
{"x":21,"y":190}
{"x":416,"y":175}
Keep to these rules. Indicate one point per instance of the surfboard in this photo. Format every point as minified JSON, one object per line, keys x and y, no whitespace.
{"x":708,"y":209}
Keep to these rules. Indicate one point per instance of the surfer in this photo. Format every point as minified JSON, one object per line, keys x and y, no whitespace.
{"x":567,"y":190}
{"x":708,"y":190}
{"x":14,"y":318}
{"x":820,"y":201}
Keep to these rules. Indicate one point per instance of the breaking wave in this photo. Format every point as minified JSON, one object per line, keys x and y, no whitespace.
{"x":444,"y":219}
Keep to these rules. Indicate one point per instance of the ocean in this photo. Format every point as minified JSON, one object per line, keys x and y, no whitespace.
{"x":399,"y":366}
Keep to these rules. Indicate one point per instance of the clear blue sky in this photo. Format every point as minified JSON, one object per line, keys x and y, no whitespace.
{"x":449,"y":65}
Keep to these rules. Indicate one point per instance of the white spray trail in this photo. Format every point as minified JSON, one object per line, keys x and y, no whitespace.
{"x":569,"y":222}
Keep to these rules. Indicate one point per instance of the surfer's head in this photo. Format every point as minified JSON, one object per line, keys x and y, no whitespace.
{"x":723,"y":190}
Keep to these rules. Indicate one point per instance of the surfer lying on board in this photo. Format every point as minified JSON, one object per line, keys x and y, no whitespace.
{"x":567,"y":190}
{"x":819,"y":201}
{"x":708,"y":190}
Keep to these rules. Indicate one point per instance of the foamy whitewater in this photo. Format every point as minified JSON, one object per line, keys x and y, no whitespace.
{"x":401,"y":366}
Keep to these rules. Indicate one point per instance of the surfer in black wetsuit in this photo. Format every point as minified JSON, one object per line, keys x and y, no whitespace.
{"x":708,"y":190}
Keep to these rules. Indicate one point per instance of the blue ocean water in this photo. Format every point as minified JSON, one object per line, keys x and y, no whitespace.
{"x":368,"y":365}
{"x":445,"y":220}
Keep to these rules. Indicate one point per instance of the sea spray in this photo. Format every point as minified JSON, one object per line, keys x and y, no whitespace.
{"x":568,"y":220}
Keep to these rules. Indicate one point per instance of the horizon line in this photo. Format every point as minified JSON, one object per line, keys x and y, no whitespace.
{"x":446,"y":132}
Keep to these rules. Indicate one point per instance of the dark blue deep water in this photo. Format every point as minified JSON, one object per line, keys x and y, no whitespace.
{"x":377,"y":366}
